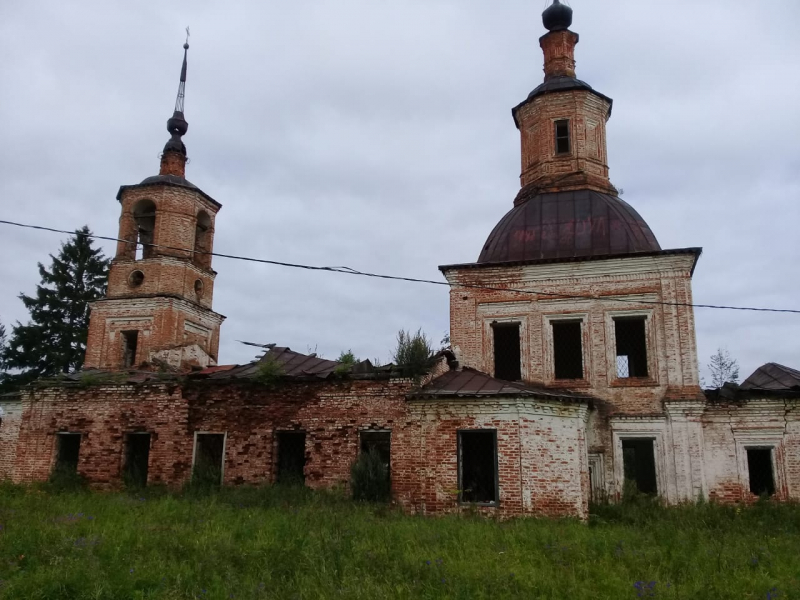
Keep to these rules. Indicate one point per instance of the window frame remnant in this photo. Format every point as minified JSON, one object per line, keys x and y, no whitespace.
{"x":209,"y":447}
{"x":487,"y":492}
{"x":381,"y":441}
{"x":68,"y":452}
{"x":567,"y":349}
{"x":563,"y":142}
{"x":760,"y":462}
{"x":130,"y":346}
{"x":639,"y":464}
{"x":631,"y":347}
{"x":144,"y":217}
{"x":290,"y":443}
{"x":137,"y":458}
{"x":507,"y":350}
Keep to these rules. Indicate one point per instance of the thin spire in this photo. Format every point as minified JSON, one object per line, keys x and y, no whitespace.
{"x":173,"y":159}
{"x":182,"y":84}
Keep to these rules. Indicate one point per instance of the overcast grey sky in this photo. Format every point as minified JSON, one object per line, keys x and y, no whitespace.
{"x":378,"y":135}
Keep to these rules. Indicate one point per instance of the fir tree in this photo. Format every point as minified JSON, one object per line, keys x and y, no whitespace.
{"x":54,"y":341}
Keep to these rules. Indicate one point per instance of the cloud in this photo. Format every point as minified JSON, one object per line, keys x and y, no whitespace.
{"x":379,"y":136}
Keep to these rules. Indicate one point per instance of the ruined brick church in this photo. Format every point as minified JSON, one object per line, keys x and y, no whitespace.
{"x":572,"y":371}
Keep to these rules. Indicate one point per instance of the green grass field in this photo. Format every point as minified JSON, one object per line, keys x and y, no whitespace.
{"x":292,"y":543}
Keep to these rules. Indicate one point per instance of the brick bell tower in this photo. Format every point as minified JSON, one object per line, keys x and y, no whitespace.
{"x":157,"y":311}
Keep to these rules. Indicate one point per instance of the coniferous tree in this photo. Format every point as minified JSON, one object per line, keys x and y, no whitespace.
{"x":54,"y":341}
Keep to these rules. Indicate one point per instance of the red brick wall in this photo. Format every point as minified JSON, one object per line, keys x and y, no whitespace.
{"x":541,"y":449}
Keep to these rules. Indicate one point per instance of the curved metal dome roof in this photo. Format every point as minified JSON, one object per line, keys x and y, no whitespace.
{"x":581,"y":223}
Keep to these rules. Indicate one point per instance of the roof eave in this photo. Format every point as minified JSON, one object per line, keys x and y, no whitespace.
{"x":543,"y":261}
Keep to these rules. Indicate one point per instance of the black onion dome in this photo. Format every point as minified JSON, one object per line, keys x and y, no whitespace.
{"x":557,"y":17}
{"x":578,"y":224}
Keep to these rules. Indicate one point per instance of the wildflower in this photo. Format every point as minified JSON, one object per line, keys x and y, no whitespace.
{"x":427,"y":562}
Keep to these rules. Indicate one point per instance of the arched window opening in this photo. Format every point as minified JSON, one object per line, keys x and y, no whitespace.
{"x":202,"y":240}
{"x":144,"y":215}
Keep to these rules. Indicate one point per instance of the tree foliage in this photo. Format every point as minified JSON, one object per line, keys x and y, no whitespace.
{"x":413,"y":354}
{"x":369,"y":478}
{"x":54,"y":340}
{"x":723,"y":368}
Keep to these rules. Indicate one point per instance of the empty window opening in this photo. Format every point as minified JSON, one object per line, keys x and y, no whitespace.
{"x":567,"y":350}
{"x":507,"y":351}
{"x":639,"y":463}
{"x":562,"y":137}
{"x":631,"y":341}
{"x":759,"y":466}
{"x":130,"y":342}
{"x":291,"y":457}
{"x":380,"y":442}
{"x":144,"y":215}
{"x":67,"y":451}
{"x":137,"y":459}
{"x":209,"y":453}
{"x":202,"y":240}
{"x":477,"y":466}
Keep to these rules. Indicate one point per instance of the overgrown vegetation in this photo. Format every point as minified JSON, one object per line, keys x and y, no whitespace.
{"x":346,"y":361}
{"x":413,"y":354}
{"x":369,"y":477}
{"x":278,"y":542}
{"x":269,"y":372}
{"x":723,"y":368}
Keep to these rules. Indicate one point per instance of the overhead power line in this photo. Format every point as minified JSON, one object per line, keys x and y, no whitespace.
{"x":349,"y":271}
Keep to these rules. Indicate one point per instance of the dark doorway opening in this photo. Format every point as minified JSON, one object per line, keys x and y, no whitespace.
{"x":208,"y":458}
{"x":639,"y":462}
{"x":380,"y":442}
{"x":291,"y":457}
{"x":507,"y":356}
{"x":130,"y":341}
{"x":477,"y":454}
{"x":631,"y":347}
{"x":67,"y":453}
{"x":567,"y":350}
{"x":137,"y":459}
{"x":759,"y":466}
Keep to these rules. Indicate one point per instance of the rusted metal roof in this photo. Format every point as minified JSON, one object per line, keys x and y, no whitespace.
{"x":576,"y":224}
{"x":295,"y":364}
{"x":470,"y":383}
{"x":773,"y":377}
{"x":561,"y":83}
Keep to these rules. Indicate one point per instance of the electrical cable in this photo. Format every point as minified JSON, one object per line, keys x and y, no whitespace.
{"x":350,"y":271}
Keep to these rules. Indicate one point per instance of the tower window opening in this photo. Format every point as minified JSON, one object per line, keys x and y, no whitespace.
{"x":631,"y":344}
{"x":202,"y":240}
{"x":144,"y":215}
{"x":567,"y":350}
{"x":562,"y":137}
{"x":130,"y":341}
{"x":759,"y":466}
{"x":477,"y":466}
{"x":507,"y":356}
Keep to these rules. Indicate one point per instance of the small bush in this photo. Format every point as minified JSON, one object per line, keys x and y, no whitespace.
{"x":205,"y":479}
{"x":369,"y":478}
{"x":413,"y":354}
{"x":346,"y":361}
{"x":65,"y":479}
{"x":269,"y":372}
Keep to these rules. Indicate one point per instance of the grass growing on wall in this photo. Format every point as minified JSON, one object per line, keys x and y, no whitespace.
{"x":291,"y":543}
